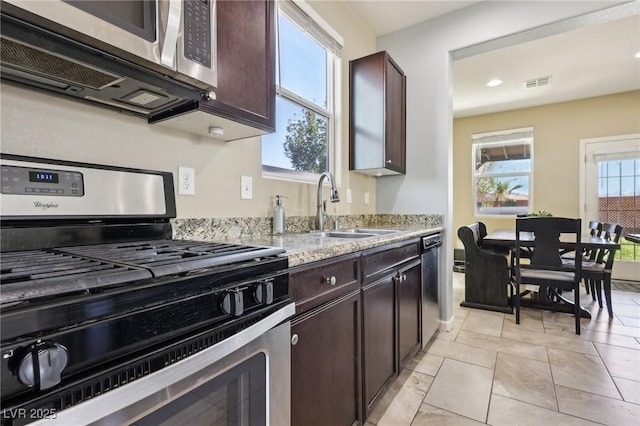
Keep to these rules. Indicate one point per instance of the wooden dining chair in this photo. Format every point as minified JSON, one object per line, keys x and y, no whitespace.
{"x":545,"y":269}
{"x":588,"y":255}
{"x":597,"y":271}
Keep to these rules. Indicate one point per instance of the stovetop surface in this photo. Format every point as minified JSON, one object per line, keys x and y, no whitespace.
{"x":37,"y":273}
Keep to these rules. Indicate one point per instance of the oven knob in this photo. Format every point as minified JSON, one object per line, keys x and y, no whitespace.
{"x":42,"y":365}
{"x":232,"y":303}
{"x":263,"y":292}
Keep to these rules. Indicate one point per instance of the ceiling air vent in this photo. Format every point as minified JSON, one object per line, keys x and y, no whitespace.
{"x":537,"y":82}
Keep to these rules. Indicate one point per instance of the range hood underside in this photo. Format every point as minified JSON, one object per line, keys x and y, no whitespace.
{"x":36,"y":58}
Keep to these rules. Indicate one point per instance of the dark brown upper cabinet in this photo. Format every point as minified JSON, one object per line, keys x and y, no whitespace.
{"x":377,"y":115}
{"x":244,"y":103}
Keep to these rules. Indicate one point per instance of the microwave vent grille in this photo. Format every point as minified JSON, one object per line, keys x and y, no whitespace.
{"x":27,"y":58}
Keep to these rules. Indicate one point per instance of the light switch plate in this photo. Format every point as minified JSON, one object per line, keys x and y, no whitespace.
{"x":186,"y":181}
{"x":349,"y":198}
{"x":246,"y":187}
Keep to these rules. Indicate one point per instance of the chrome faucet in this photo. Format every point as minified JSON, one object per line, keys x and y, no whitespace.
{"x":321,"y":213}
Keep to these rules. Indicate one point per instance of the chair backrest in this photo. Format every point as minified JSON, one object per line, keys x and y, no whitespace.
{"x":611,"y":232}
{"x":546,"y":241}
{"x":595,"y":228}
{"x":472,"y":235}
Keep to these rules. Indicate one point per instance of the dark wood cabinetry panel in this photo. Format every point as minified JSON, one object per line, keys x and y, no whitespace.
{"x":324,"y":281}
{"x":395,"y":117}
{"x":378,"y":260}
{"x":246,"y":52}
{"x":353,"y":329}
{"x":379,"y":362}
{"x":391,"y":307}
{"x":245,"y":96}
{"x":325,"y":364}
{"x":377,"y":126}
{"x":409,"y":305}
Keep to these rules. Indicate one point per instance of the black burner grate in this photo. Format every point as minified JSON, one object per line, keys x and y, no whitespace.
{"x":38,"y":273}
{"x":165,"y":257}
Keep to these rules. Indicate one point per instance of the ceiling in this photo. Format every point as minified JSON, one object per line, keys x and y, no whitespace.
{"x":590,"y":61}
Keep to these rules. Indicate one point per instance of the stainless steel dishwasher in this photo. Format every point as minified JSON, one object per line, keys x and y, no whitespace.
{"x":430,"y":313}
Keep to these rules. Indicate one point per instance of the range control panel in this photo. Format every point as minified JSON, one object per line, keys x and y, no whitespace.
{"x":34,"y":181}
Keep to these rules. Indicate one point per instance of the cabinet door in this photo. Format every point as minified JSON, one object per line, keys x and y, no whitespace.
{"x":377,"y":115}
{"x":379,"y":363}
{"x":325,"y":364}
{"x":409,"y":303}
{"x":395,"y":136}
{"x":246,"y":62}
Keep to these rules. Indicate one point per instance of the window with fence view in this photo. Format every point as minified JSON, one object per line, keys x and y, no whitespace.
{"x":619,"y":200}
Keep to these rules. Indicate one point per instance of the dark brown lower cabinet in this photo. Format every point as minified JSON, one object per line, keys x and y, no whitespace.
{"x":325,"y":364}
{"x":409,"y":307}
{"x":379,"y":363}
{"x":357,"y":325}
{"x":391,"y":309}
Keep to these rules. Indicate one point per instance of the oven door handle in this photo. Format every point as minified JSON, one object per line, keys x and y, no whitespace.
{"x":111,"y":406}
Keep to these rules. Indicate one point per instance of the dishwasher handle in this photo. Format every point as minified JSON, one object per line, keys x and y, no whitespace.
{"x":431,"y":242}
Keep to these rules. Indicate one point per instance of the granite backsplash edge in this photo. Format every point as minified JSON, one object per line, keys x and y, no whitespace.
{"x":246,"y":227}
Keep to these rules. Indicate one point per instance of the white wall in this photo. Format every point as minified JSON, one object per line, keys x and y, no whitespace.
{"x":423,"y":52}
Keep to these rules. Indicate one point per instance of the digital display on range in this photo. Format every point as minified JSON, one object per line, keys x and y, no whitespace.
{"x":43,"y":177}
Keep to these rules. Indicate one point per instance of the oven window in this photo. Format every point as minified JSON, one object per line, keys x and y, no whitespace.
{"x":238,"y":397}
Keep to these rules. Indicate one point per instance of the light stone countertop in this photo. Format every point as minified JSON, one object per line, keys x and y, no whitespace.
{"x":307,"y":247}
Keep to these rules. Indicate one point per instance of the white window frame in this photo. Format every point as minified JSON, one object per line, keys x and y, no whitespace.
{"x":499,"y":138}
{"x":334,"y":99}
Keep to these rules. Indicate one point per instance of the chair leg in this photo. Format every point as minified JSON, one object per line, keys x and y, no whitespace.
{"x":598,"y":292}
{"x":576,"y":301}
{"x":517,"y":303}
{"x":607,"y":294}
{"x":592,"y":285}
{"x":586,"y":285}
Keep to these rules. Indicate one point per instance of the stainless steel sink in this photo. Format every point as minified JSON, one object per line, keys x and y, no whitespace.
{"x":354,"y":233}
{"x":375,"y":231}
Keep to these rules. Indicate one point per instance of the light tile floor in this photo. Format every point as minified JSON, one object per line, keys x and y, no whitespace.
{"x":488,"y":370}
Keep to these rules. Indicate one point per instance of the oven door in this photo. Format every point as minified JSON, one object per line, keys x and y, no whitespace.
{"x":243,"y":380}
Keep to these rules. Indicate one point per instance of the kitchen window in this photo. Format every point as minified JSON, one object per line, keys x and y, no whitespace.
{"x":307,"y":84}
{"x":502,"y":172}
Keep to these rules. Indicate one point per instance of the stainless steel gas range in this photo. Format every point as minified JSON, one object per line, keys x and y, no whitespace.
{"x":107,"y":320}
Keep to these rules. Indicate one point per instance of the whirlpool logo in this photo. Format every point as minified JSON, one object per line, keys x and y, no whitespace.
{"x":45,"y":206}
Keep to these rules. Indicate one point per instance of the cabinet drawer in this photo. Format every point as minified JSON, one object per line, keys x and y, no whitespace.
{"x":314,"y":284}
{"x":378,"y":260}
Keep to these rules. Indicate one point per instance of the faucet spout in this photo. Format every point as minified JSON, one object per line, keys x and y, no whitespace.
{"x":321,"y":212}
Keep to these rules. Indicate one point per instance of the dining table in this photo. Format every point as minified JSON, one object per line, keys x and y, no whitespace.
{"x":547,"y":299}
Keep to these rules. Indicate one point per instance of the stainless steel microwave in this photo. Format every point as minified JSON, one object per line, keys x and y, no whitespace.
{"x":176,"y":37}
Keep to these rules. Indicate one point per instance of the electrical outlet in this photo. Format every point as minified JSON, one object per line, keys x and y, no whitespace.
{"x":366,"y":198}
{"x":186,"y":181}
{"x":349,"y":199}
{"x":246,"y":187}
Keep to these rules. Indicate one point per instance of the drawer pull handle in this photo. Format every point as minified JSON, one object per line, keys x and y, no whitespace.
{"x":330,"y":280}
{"x":294,"y":340}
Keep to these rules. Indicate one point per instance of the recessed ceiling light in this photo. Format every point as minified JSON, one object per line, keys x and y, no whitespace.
{"x":493,"y":83}
{"x":637,"y":55}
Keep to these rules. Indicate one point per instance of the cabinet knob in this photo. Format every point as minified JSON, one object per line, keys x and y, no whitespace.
{"x":388,"y":161}
{"x":294,"y":340}
{"x":330,"y":280}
